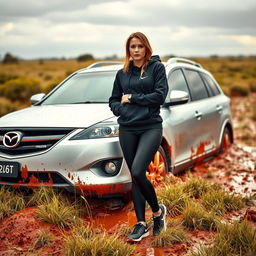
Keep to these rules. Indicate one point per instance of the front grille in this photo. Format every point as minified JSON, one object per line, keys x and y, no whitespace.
{"x":36,"y":177}
{"x":33,"y":140}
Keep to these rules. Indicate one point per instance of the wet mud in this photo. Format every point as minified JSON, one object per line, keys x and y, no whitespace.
{"x":234,"y":169}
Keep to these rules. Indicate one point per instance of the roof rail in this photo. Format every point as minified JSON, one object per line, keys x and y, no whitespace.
{"x":104,"y":63}
{"x":177,"y":59}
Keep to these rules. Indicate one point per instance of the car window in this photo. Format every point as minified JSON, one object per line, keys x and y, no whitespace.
{"x":211,"y":84}
{"x":84,"y":88}
{"x":196,"y":85}
{"x":177,"y":81}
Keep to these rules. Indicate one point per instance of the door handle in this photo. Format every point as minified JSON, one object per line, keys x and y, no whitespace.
{"x":198,"y":115}
{"x":219,"y":108}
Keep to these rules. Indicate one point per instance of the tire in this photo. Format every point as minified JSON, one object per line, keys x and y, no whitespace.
{"x":225,"y":141}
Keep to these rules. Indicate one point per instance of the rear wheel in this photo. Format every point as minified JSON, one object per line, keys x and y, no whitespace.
{"x":225,"y":141}
{"x":158,"y":167}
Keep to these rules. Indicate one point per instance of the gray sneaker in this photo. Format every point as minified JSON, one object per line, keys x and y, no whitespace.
{"x":138,"y":232}
{"x":159,"y":221}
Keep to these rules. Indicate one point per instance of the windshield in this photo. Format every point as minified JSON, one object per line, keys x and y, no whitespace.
{"x":84,"y":88}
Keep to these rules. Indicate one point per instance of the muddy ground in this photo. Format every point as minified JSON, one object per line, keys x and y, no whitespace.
{"x":234,"y":169}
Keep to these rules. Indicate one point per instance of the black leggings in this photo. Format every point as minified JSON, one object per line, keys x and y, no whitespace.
{"x":139,"y":148}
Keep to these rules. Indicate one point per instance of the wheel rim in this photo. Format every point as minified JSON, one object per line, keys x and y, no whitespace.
{"x":225,"y":142}
{"x":156,"y":169}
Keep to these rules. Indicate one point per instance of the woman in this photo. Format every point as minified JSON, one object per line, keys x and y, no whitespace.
{"x":139,"y":90}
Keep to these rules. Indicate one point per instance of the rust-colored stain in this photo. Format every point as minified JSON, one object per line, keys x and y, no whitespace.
{"x":24,"y":172}
{"x":99,"y":190}
{"x":33,"y":181}
{"x":199,"y":153}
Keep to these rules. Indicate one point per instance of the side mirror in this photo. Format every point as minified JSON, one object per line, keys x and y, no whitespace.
{"x":177,"y":97}
{"x":36,"y":98}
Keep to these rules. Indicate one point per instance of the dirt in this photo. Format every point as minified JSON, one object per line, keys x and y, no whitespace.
{"x":234,"y":169}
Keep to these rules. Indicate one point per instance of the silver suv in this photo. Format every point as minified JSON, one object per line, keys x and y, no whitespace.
{"x":69,"y":138}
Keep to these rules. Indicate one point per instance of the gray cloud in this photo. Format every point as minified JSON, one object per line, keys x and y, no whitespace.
{"x":64,"y":28}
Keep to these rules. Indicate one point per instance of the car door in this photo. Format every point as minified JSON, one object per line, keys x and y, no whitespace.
{"x":181,"y":122}
{"x":219,"y":103}
{"x":203,"y":123}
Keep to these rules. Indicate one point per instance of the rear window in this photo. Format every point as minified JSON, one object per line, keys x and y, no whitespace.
{"x":211,"y":84}
{"x":196,"y":85}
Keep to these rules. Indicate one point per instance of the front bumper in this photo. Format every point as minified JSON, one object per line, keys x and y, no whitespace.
{"x":70,"y":164}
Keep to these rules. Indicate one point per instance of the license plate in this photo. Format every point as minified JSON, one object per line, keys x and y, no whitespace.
{"x":9,"y":169}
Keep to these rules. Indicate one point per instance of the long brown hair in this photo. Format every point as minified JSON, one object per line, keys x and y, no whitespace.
{"x":145,"y":42}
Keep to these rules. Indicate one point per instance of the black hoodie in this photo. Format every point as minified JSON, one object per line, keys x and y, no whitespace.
{"x":148,"y":91}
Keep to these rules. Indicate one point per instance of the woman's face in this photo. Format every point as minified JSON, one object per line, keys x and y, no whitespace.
{"x":137,"y":49}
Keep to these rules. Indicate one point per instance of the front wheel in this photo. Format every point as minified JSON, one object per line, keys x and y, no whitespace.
{"x":158,"y":167}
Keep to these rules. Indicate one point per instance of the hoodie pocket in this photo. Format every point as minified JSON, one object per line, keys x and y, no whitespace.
{"x":134,"y":112}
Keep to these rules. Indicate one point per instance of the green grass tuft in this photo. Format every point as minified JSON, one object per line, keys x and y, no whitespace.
{"x":100,"y":245}
{"x":237,"y":239}
{"x":220,"y":201}
{"x":195,"y":217}
{"x":169,"y":237}
{"x":44,"y":239}
{"x":174,"y":199}
{"x":59,"y":212}
{"x":196,"y":187}
{"x":10,"y":202}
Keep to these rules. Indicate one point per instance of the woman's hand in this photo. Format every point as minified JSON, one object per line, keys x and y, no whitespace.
{"x":125,"y":99}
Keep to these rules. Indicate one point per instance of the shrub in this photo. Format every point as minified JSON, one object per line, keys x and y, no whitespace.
{"x":85,"y":57}
{"x":10,"y":59}
{"x":20,"y":88}
{"x":6,"y":77}
{"x":239,"y":90}
{"x":6,"y":107}
{"x":47,"y":77}
{"x":52,"y":85}
{"x":252,"y":86}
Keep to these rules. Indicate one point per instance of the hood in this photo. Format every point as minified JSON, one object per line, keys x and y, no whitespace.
{"x":76,"y":115}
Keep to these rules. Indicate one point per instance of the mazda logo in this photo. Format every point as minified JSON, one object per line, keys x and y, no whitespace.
{"x":12,"y":139}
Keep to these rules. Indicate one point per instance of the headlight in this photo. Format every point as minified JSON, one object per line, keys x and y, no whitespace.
{"x":101,"y":130}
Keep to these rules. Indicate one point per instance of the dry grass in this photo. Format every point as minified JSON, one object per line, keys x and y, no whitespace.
{"x":59,"y":212}
{"x":238,"y":239}
{"x":221,"y":201}
{"x":10,"y":202}
{"x":44,"y":239}
{"x":174,"y":198}
{"x":171,"y":236}
{"x":195,"y":217}
{"x":84,"y":242}
{"x":196,"y":187}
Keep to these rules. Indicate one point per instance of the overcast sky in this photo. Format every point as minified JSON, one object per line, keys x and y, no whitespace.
{"x":64,"y":28}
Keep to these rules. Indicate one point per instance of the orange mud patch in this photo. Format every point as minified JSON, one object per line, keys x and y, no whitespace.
{"x":33,"y":181}
{"x":100,"y":190}
{"x":235,"y":169}
{"x":19,"y":232}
